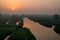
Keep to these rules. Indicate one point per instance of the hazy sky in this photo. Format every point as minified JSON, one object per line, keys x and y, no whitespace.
{"x":30,"y":6}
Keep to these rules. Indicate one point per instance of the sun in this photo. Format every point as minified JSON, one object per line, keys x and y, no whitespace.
{"x":13,"y":8}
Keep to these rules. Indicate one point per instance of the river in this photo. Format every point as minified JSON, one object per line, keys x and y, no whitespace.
{"x":39,"y":31}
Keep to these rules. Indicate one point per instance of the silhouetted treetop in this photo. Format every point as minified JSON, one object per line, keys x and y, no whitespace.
{"x":56,"y":16}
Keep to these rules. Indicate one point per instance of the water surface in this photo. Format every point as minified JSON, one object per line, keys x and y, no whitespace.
{"x":39,"y":31}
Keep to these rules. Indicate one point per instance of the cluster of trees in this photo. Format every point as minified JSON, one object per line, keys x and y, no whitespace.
{"x":56,"y":16}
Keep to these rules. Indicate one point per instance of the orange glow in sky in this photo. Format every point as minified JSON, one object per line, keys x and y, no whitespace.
{"x":33,"y":6}
{"x":11,"y":4}
{"x":13,"y":7}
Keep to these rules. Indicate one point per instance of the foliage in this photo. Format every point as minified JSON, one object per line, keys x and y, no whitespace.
{"x":4,"y":33}
{"x":57,"y":28}
{"x":22,"y":34}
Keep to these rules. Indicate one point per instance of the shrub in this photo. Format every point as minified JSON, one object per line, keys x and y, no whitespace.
{"x":57,"y":28}
{"x":4,"y":33}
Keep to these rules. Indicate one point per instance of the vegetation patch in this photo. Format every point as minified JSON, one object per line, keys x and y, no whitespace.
{"x":4,"y":33}
{"x":22,"y":34}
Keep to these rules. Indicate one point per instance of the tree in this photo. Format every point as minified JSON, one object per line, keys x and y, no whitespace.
{"x":57,"y":28}
{"x":0,"y":14}
{"x":56,"y":16}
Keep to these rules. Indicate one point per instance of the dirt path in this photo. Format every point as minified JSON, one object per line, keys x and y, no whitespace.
{"x":7,"y":37}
